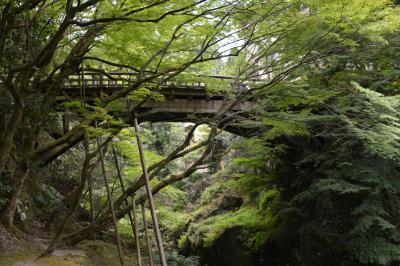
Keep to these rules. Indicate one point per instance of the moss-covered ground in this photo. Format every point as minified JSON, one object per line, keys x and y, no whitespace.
{"x":88,"y":253}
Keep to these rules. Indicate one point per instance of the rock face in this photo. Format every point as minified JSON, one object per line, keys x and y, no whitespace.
{"x":228,"y":250}
{"x":220,"y":205}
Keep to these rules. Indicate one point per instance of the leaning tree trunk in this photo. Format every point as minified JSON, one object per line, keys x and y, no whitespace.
{"x":85,"y":174}
{"x":104,"y":220}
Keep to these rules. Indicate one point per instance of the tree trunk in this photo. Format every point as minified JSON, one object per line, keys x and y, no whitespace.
{"x":6,"y":144}
{"x":147,"y":237}
{"x":104,"y":220}
{"x":136,"y":232}
{"x":111,"y":206}
{"x":7,"y":216}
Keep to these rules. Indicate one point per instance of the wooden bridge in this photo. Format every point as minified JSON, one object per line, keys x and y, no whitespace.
{"x":183,"y":101}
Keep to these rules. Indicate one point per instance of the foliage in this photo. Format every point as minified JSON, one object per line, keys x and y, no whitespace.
{"x":175,"y":259}
{"x":172,"y":220}
{"x":213,"y":191}
{"x":49,"y":199}
{"x":318,"y":179}
{"x":127,"y":147}
{"x":205,"y":232}
{"x":337,"y":183}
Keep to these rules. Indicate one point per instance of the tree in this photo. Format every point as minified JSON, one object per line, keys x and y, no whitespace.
{"x":324,"y":174}
{"x":59,"y":37}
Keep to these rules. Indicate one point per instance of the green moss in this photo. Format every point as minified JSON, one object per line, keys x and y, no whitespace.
{"x":22,"y":254}
{"x":212,"y":192}
{"x":103,"y":253}
{"x":199,"y":211}
{"x":27,"y":254}
{"x":249,"y":218}
{"x":64,"y":261}
{"x":88,"y":253}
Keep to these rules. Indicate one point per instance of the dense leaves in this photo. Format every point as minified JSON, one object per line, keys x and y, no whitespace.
{"x":316,"y":182}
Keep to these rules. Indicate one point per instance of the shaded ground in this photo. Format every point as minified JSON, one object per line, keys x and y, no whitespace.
{"x":59,"y":257}
{"x":15,"y":252}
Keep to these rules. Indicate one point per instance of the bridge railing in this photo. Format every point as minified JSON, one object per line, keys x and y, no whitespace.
{"x":116,"y":79}
{"x":96,"y":79}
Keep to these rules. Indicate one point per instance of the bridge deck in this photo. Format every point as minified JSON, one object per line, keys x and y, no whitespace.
{"x":93,"y":84}
{"x":182,"y":100}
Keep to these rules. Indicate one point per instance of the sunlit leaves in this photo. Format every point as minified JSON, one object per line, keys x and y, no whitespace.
{"x":128,"y":149}
{"x":143,"y":94}
{"x":175,"y":39}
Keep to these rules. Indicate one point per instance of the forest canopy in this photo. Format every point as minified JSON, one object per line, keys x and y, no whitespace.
{"x":208,"y":132}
